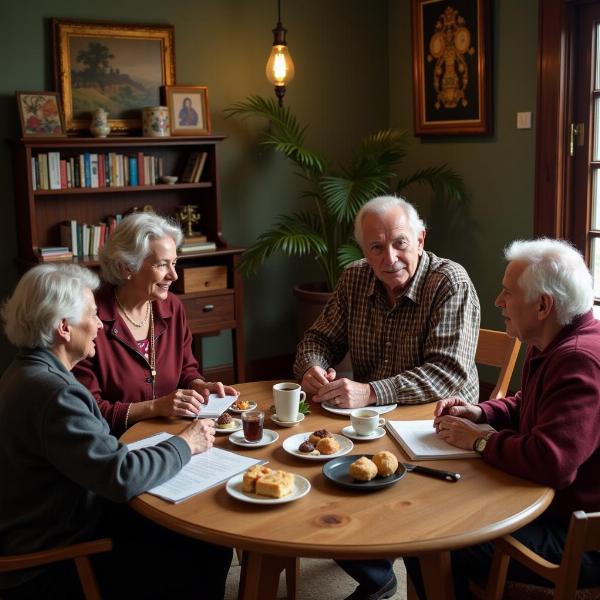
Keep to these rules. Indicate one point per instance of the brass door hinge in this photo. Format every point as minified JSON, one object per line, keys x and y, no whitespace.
{"x":576,"y":135}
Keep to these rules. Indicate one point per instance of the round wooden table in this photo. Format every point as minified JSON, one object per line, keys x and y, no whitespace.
{"x":417,"y":516}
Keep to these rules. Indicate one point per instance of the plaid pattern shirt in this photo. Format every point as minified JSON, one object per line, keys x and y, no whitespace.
{"x":420,"y":350}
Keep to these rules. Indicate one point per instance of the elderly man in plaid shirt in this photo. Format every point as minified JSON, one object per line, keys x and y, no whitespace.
{"x":410,"y":321}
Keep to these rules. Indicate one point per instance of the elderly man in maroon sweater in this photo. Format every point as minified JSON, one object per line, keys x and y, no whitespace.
{"x":549,"y":432}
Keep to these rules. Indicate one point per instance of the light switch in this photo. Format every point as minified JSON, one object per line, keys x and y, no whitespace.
{"x":524,"y":120}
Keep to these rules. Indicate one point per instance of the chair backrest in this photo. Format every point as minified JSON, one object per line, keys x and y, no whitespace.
{"x":498,"y":349}
{"x":78,"y":552}
{"x":584,"y":535}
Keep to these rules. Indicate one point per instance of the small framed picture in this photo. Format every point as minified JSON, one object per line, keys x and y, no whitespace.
{"x":188,"y":109}
{"x":40,"y":114}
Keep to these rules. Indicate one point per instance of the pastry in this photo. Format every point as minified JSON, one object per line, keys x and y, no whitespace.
{"x":315,"y":436}
{"x":306,"y":447}
{"x":328,"y":445}
{"x":252,"y":475}
{"x":241,"y":405}
{"x":363,"y":469}
{"x":276,"y":484}
{"x":225,"y":421}
{"x":386,"y":463}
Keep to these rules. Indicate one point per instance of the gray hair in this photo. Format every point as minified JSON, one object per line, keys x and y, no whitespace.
{"x":556,"y":268}
{"x":380,"y":205}
{"x":129,"y":245}
{"x":44,"y":296}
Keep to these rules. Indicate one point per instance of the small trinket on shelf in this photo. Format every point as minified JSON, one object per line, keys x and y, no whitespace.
{"x":100,"y":126}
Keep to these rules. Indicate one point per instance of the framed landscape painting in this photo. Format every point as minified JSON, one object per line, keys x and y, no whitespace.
{"x":119,"y":68}
{"x":452,"y":69}
{"x":40,"y":114}
{"x":188,"y":109}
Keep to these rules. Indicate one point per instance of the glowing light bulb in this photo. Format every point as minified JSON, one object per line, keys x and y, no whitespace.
{"x":280,"y":66}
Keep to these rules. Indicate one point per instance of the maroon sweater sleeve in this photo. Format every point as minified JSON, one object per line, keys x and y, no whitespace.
{"x":557,"y":429}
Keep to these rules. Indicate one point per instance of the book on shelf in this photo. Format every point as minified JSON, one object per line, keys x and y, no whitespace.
{"x":188,"y":170}
{"x":52,"y":253}
{"x":199,"y":247}
{"x":199,"y":167}
{"x":68,"y":235}
{"x":204,"y":471}
{"x":54,"y":170}
{"x":194,"y":239}
{"x":421,"y":442}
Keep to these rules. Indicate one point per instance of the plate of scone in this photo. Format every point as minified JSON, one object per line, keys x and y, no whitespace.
{"x":365,"y":471}
{"x":318,"y":445}
{"x":262,"y":485}
{"x":227,"y":424}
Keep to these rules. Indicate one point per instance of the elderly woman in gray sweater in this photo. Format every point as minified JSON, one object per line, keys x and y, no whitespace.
{"x":63,"y":474}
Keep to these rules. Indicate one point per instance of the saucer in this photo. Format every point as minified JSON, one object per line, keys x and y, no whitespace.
{"x":268,"y":437}
{"x":275,"y":420}
{"x":374,"y":435}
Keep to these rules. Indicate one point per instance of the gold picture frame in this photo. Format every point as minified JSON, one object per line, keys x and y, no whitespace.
{"x":452,"y":68}
{"x":188,"y":109}
{"x":117,"y":67}
{"x":40,"y":114}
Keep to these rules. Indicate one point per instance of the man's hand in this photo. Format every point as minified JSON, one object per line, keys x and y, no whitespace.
{"x":199,"y":435}
{"x":461,"y":433}
{"x":456,"y":407}
{"x":316,"y":377}
{"x":346,"y":393}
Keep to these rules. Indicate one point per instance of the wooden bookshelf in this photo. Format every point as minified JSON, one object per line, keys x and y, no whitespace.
{"x":40,"y":212}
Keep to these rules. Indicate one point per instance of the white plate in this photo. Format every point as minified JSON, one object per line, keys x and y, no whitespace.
{"x":234,"y":488}
{"x":237,"y":411}
{"x":290,"y":445}
{"x":237,"y":426}
{"x":268,"y":437}
{"x":374,"y":435}
{"x":275,"y":420}
{"x":346,"y":411}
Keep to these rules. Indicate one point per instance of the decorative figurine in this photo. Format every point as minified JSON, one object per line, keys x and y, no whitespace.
{"x":188,"y":216}
{"x":100,"y":126}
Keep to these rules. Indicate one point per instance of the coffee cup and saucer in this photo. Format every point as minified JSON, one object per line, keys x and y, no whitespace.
{"x":287,"y":397}
{"x":366,"y":425}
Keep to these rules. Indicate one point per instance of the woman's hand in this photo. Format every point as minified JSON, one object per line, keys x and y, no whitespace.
{"x":199,"y":435}
{"x":458,"y":432}
{"x":180,"y":403}
{"x":205,"y":388}
{"x":456,"y":407}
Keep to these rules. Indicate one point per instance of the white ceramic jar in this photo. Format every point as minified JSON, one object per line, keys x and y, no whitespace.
{"x":155,"y":121}
{"x":100,"y":126}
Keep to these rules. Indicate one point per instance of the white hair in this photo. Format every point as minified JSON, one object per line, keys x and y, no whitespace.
{"x":380,"y":205}
{"x":44,"y":296}
{"x":556,"y":268}
{"x":129,"y":245}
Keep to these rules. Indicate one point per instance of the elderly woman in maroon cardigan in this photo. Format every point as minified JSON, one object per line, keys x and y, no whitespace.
{"x":144,"y":366}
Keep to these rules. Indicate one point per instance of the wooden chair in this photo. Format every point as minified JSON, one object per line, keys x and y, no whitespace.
{"x":498,"y":349}
{"x":78,"y":552}
{"x":583,"y":535}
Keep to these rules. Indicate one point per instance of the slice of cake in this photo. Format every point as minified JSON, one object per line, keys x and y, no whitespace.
{"x":276,"y":484}
{"x":252,"y":475}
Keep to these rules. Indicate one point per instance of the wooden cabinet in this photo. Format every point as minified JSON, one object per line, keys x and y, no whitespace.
{"x":40,"y":213}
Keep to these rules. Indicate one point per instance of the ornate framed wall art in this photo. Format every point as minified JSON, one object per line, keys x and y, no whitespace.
{"x":119,"y":68}
{"x":452,"y":69}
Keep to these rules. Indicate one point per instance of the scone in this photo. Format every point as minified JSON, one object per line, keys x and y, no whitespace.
{"x":386,"y":463}
{"x":328,"y":445}
{"x":276,"y":484}
{"x":363,"y":469}
{"x":252,"y":475}
{"x":315,"y":436}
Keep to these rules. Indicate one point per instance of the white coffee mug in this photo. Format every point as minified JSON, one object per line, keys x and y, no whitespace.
{"x":366,"y":420}
{"x":287,"y":398}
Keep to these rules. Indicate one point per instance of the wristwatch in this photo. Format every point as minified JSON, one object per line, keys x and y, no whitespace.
{"x":481,"y":442}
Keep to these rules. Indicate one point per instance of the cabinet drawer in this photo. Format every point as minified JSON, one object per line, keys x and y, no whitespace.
{"x":201,"y":279}
{"x":209,"y":312}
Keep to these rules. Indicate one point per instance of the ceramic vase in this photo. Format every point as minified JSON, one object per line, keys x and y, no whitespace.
{"x":155,"y":121}
{"x":100,"y":126}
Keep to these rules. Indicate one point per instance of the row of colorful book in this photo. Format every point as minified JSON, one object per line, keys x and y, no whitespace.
{"x":94,"y":170}
{"x":83,"y":239}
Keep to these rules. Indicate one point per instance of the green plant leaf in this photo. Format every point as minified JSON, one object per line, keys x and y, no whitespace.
{"x":348,"y":253}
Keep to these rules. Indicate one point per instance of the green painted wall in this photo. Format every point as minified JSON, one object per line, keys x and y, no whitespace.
{"x":340,"y":91}
{"x":353,"y":76}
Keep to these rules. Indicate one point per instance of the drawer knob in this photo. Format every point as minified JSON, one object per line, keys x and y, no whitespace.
{"x":208,"y":307}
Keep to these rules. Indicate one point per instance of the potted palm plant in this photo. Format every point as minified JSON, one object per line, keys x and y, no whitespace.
{"x":334,"y":196}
